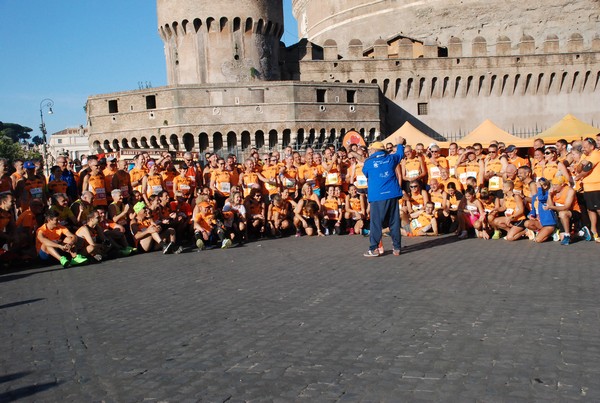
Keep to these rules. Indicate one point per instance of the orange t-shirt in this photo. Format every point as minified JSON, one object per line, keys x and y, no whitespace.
{"x":5,"y":184}
{"x":57,"y":186}
{"x":183,"y":185}
{"x":591,"y":183}
{"x":52,"y":234}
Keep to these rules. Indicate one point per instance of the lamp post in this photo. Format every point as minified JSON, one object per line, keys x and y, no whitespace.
{"x":45,"y":103}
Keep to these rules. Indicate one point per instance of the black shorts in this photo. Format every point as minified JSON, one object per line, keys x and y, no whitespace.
{"x":592,"y":200}
{"x":520,"y":224}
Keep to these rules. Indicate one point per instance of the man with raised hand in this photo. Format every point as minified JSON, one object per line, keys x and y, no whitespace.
{"x":383,"y":193}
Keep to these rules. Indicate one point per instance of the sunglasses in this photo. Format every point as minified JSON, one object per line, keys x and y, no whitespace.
{"x":548,"y":152}
{"x":414,"y":187}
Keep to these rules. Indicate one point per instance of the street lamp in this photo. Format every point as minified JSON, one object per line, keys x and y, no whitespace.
{"x":45,"y":103}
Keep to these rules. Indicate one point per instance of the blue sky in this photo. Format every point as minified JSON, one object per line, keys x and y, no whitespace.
{"x":69,"y":50}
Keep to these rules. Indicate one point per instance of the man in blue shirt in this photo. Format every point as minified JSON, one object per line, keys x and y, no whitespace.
{"x":383,"y":193}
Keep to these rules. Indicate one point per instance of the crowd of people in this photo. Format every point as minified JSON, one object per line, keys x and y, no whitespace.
{"x":114,"y":207}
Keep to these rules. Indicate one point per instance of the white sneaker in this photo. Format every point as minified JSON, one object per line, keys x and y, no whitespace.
{"x":371,"y":253}
{"x":226,"y":243}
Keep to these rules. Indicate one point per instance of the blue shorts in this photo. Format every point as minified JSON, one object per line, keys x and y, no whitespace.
{"x":43,"y":255}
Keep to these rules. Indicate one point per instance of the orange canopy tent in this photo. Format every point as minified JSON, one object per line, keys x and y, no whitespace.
{"x":412,"y":136}
{"x":487,"y":132}
{"x":569,"y":128}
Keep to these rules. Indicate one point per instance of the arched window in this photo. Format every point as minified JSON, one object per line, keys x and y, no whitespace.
{"x":188,"y":141}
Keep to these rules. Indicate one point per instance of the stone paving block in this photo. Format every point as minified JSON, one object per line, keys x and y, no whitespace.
{"x":311,"y":319}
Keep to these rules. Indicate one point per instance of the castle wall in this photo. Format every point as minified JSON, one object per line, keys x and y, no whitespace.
{"x":453,"y":95}
{"x":206,"y":42}
{"x":232,"y":117}
{"x":439,"y":20}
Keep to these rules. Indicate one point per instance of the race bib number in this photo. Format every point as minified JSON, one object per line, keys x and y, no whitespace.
{"x":289,"y":183}
{"x":414,"y":224}
{"x":332,"y":179}
{"x":156,"y":189}
{"x":36,"y":193}
{"x":332,"y":213}
{"x":361,"y":181}
{"x":495,"y":183}
{"x":270,"y":187}
{"x":412,"y":174}
{"x":509,"y":212}
{"x":463,"y":178}
{"x":100,"y":193}
{"x":417,"y":206}
{"x":472,"y":173}
{"x":125,"y":191}
{"x":225,"y":187}
{"x":452,"y":171}
{"x":438,"y":205}
{"x":434,"y":172}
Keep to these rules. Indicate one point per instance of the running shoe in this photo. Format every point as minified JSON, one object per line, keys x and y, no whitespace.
{"x":170,"y":248}
{"x":79,"y":259}
{"x":497,"y":234}
{"x":380,"y":248}
{"x":585,"y":233}
{"x":371,"y":253}
{"x":178,"y":250}
{"x":463,"y":235}
{"x":200,"y":244}
{"x":556,"y":236}
{"x":126,"y":251}
{"x":97,"y":257}
{"x":530,"y":235}
{"x":566,"y":240}
{"x":396,"y":252}
{"x":226,"y":244}
{"x":351,"y":231}
{"x":65,"y":262}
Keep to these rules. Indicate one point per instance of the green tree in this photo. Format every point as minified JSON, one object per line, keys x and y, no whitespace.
{"x":37,"y":140}
{"x":10,"y":149}
{"x":15,"y":131}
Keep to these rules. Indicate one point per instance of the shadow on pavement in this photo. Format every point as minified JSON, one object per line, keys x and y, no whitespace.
{"x":25,"y":391}
{"x":446,"y":240}
{"x":4,"y":278}
{"x":12,"y":304}
{"x":12,"y":377}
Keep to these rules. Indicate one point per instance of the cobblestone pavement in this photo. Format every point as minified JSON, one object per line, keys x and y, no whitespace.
{"x":309,"y":319}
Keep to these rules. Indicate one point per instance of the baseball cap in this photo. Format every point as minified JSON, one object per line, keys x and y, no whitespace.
{"x":28,"y":165}
{"x":511,"y":148}
{"x":111,"y":159}
{"x":559,"y":180}
{"x":139,"y":206}
{"x":377,"y":145}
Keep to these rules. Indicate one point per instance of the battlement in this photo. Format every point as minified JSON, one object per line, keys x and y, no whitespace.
{"x":219,"y":42}
{"x":402,"y":47}
{"x":211,"y":25}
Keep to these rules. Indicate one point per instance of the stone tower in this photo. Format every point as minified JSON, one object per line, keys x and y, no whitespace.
{"x":209,"y":41}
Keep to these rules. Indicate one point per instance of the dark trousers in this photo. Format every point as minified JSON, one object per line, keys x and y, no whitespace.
{"x":385,"y":213}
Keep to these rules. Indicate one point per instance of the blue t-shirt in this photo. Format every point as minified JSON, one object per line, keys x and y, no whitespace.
{"x":380,"y":170}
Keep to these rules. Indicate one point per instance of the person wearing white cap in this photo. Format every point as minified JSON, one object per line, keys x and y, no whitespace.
{"x":383,"y":193}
